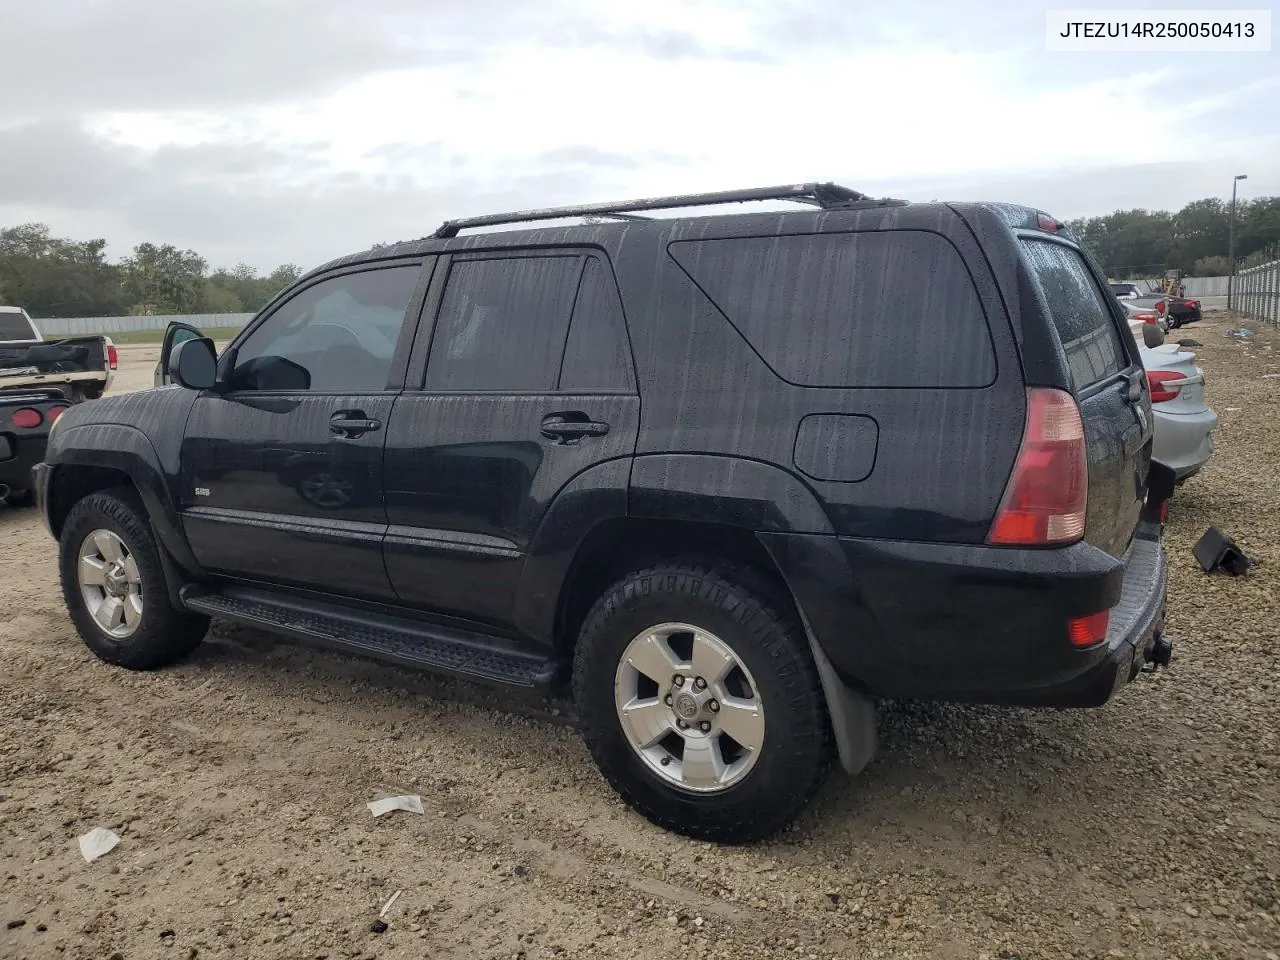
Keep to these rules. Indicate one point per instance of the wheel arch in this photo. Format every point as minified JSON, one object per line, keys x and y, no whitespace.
{"x":94,"y":457}
{"x":616,"y":547}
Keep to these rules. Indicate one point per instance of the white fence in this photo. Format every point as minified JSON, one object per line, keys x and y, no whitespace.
{"x":87,"y":326}
{"x":1206,"y":286}
{"x":1256,"y":294}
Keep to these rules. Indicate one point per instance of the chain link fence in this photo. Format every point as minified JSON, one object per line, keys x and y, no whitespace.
{"x":1256,"y":289}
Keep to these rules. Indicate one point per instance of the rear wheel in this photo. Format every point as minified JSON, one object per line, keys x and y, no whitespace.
{"x":700,"y":701}
{"x":114,"y":585}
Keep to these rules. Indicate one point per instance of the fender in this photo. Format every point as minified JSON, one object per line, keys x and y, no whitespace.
{"x":597,"y":494}
{"x":127,"y":449}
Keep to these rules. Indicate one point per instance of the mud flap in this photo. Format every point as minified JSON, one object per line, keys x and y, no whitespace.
{"x":853,"y":714}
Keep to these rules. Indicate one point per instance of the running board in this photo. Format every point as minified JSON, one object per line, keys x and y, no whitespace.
{"x":399,"y":640}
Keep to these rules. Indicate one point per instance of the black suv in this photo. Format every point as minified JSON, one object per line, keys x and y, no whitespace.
{"x":732,"y":476}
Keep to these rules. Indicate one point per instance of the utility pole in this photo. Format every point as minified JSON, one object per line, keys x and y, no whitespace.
{"x":1231,"y":241}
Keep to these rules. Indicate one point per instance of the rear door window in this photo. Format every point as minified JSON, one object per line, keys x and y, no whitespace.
{"x":502,"y":324}
{"x":1082,"y":318}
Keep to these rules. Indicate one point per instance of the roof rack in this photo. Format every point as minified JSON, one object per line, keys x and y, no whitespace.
{"x":828,"y":196}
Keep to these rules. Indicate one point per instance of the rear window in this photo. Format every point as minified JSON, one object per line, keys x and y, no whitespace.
{"x":875,"y":309}
{"x":1081,"y":316}
{"x":14,"y":326}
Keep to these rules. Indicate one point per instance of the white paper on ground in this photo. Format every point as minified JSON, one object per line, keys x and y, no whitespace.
{"x":411,"y":804}
{"x":97,"y":842}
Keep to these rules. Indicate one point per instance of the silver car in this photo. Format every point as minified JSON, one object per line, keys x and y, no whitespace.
{"x":1184,"y":424}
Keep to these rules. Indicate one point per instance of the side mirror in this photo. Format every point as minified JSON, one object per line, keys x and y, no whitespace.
{"x":1152,"y":335}
{"x":193,"y":364}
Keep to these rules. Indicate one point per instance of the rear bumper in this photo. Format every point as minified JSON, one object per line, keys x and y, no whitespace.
{"x":1183,"y":441}
{"x":976,"y":623}
{"x":18,"y":455}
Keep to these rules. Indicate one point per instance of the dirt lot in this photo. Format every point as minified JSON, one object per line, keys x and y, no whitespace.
{"x":238,"y":782}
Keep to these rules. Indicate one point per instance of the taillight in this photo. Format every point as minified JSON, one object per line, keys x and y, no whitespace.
{"x":1088,"y":631}
{"x":1147,"y":317}
{"x":26,"y":418}
{"x":1046,"y":222}
{"x":1160,"y":307}
{"x":113,"y":358}
{"x":1156,"y":380}
{"x":1044,"y":502}
{"x":1193,"y":303}
{"x":53,"y":413}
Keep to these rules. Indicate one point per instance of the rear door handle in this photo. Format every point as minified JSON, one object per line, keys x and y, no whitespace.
{"x":352,"y":423}
{"x":571,"y":427}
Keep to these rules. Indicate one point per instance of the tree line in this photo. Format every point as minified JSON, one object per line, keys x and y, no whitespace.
{"x":1194,"y":240}
{"x":58,"y":277}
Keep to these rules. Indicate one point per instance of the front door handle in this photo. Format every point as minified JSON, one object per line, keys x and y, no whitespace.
{"x":571,"y":427}
{"x":352,"y":423}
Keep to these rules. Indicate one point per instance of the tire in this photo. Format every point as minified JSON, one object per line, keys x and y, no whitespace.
{"x":151,"y":632}
{"x":1174,"y":322}
{"x":735,"y":606}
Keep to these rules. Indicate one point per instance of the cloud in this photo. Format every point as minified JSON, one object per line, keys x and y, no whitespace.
{"x":295,"y":130}
{"x":90,"y":56}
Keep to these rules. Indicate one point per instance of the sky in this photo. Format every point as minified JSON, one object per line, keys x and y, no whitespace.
{"x":271,"y":131}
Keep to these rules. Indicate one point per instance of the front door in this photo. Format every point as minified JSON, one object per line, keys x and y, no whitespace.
{"x":282,"y":466}
{"x":529,"y":382}
{"x":174,"y":334}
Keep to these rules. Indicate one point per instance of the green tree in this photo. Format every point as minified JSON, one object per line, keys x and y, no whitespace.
{"x":217,"y":298}
{"x":164,"y":280}
{"x":56,"y":277}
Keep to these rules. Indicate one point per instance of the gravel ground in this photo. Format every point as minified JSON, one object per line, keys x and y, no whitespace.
{"x":238,"y":781}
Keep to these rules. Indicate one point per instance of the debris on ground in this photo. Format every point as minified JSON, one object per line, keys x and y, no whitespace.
{"x":1239,"y":333}
{"x":1216,"y":551}
{"x":1190,"y":343}
{"x":96,"y":843}
{"x":409,"y":804}
{"x":387,"y":906}
{"x":378,"y":926}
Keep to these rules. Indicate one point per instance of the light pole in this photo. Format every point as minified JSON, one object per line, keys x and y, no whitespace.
{"x":1231,"y":239}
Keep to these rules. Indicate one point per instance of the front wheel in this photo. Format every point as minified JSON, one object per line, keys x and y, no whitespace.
{"x":114,"y":585}
{"x":700,"y":701}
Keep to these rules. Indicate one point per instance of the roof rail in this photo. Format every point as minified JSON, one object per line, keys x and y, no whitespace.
{"x":828,"y":196}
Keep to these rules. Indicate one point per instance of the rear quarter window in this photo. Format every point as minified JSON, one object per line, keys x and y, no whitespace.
{"x":14,"y":326}
{"x":1080,"y":315}
{"x":872,"y":309}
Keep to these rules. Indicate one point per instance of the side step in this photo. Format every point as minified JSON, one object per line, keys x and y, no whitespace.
{"x":411,"y":643}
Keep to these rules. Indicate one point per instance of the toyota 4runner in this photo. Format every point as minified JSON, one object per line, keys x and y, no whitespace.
{"x":730,"y":476}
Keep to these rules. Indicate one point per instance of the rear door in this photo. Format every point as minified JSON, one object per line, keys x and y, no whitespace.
{"x":528,"y":383}
{"x":1109,"y":385}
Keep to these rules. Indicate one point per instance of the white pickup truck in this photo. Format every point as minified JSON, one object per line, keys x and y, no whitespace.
{"x":81,"y":367}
